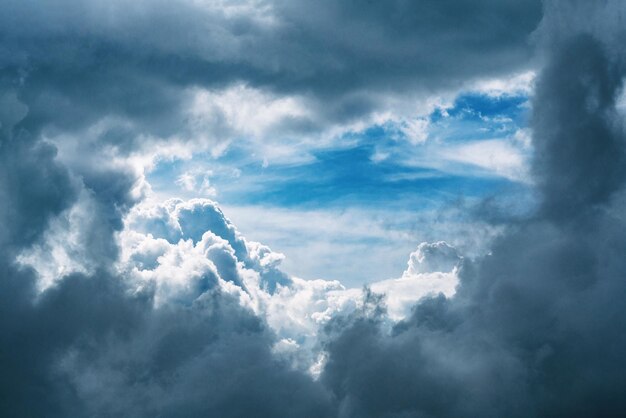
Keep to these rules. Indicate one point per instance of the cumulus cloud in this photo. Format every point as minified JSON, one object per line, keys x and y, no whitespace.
{"x":103,"y":340}
{"x":432,"y":270}
{"x":161,"y":251}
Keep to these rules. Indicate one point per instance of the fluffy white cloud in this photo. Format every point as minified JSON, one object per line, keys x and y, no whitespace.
{"x":181,"y":249}
{"x":294,"y":308}
{"x":432,"y":268}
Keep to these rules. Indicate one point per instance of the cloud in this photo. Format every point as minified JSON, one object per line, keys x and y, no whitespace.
{"x":495,"y":156}
{"x":438,"y":256}
{"x":81,"y":337}
{"x":177,"y":252}
{"x":99,"y":342}
{"x":588,"y":111}
{"x":171,"y":78}
{"x":107,"y":353}
{"x":183,"y":266}
{"x":167,"y":310}
{"x":432,"y":270}
{"x":532,"y":327}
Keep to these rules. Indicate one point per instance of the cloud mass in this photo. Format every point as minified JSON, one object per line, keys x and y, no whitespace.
{"x":118,"y":298}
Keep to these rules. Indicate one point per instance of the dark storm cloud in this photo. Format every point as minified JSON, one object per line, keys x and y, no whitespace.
{"x":87,"y":348}
{"x":93,"y":346}
{"x":579,"y":162}
{"x":397,"y":44}
{"x":534,"y":327}
{"x":33,"y":187}
{"x":74,"y":62}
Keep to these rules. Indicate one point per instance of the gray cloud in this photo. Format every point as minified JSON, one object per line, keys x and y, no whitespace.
{"x":74,"y":62}
{"x":87,"y":348}
{"x":33,"y":187}
{"x":579,"y":161}
{"x":93,"y":346}
{"x":532,"y":330}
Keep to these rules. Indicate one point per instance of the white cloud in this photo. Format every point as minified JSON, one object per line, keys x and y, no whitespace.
{"x":401,"y":294}
{"x":187,"y":181}
{"x":497,"y":156}
{"x":432,"y":257}
{"x":416,"y":130}
{"x":62,"y":249}
{"x":180,"y":249}
{"x":296,"y":308}
{"x":432,"y":268}
{"x":197,"y":182}
{"x":513,"y":85}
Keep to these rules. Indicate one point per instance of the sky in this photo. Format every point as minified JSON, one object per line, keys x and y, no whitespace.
{"x":344,"y":208}
{"x":375,"y":187}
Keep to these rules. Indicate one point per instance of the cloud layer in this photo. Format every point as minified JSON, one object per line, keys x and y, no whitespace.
{"x":532,"y":329}
{"x":112,"y":304}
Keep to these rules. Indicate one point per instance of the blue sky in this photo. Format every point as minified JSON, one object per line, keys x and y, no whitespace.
{"x":398,"y":184}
